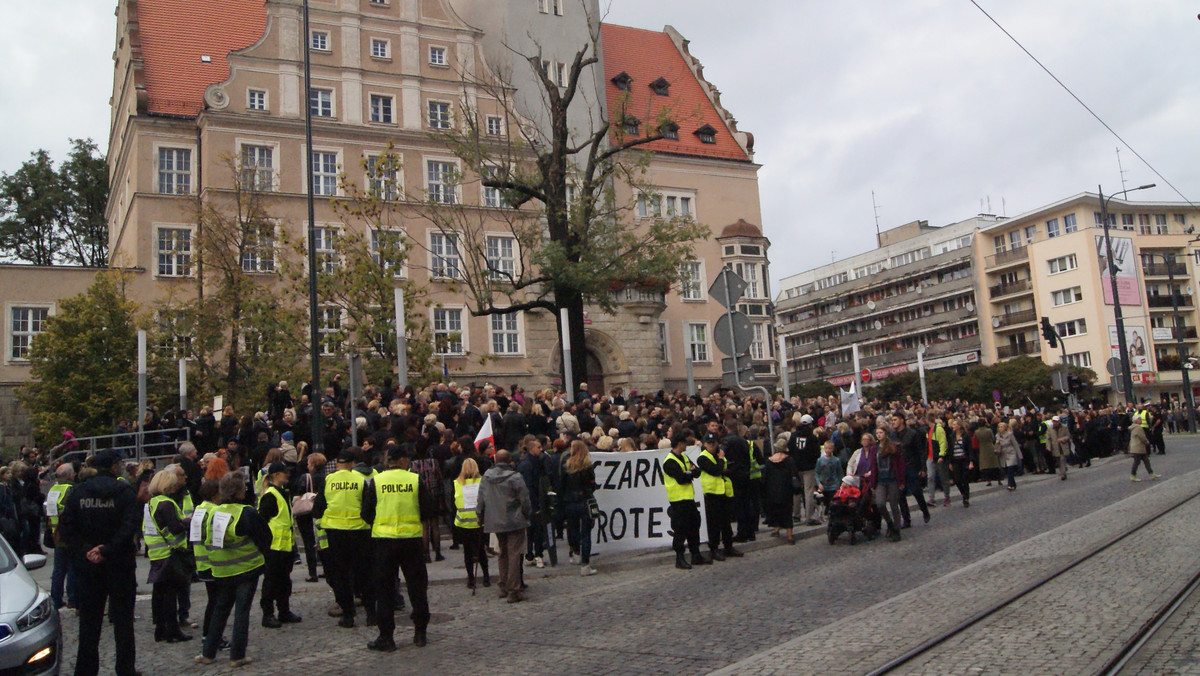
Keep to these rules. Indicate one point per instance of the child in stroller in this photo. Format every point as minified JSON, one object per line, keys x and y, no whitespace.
{"x":846,"y":511}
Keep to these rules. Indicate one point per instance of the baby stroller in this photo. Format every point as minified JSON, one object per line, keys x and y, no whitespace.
{"x":846,"y":511}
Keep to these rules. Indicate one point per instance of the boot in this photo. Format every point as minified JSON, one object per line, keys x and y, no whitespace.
{"x":681,"y":562}
{"x":270,"y":622}
{"x":419,"y":637}
{"x":698,"y":559}
{"x":717,"y":555}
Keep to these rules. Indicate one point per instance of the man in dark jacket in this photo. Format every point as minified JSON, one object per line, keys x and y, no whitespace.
{"x":913,"y":448}
{"x":533,"y":470}
{"x":737,"y":455}
{"x":99,"y":520}
{"x":804,"y":449}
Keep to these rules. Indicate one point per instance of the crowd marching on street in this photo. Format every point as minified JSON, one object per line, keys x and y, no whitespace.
{"x":500,"y":470}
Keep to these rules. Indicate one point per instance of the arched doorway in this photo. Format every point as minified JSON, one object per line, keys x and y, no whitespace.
{"x":595,"y":375}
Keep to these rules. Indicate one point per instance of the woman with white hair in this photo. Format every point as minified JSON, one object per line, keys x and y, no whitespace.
{"x":165,"y":530}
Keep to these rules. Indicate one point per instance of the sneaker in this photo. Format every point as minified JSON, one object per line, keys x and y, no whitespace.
{"x":926,"y":517}
{"x":1134,"y":479}
{"x":438,"y":557}
{"x":538,"y":562}
{"x":586,"y":570}
{"x":289,"y":618}
{"x":1153,"y":476}
{"x":201,"y":659}
{"x":573,"y":559}
{"x":381,"y":645}
{"x":241,"y":663}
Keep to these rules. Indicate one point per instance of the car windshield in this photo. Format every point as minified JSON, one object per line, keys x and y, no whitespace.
{"x":8,"y":560}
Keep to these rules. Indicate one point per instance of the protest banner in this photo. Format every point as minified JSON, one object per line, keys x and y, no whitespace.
{"x":633,"y":501}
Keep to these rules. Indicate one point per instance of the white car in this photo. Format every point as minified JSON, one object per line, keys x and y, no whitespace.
{"x":30,"y":633}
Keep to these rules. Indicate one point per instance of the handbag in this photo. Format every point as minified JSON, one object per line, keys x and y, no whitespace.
{"x":593,"y":508}
{"x":302,"y":505}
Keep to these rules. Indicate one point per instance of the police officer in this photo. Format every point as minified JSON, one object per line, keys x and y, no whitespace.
{"x":394,"y":503}
{"x":63,"y":571}
{"x":277,"y":574}
{"x":718,"y":496}
{"x":739,"y":465}
{"x":678,"y":474}
{"x":347,"y":565}
{"x":99,"y":520}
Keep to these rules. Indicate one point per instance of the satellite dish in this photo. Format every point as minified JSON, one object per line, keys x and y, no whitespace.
{"x":970,"y":307}
{"x":878,"y":325}
{"x":871,"y":305}
{"x":995,"y":322}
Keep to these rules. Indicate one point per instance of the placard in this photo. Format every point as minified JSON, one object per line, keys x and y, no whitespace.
{"x":220,"y":523}
{"x":196,"y":530}
{"x":633,"y":501}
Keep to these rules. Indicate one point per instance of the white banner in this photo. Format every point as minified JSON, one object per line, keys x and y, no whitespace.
{"x":633,"y":501}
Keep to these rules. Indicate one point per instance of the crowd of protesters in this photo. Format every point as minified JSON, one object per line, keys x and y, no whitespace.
{"x":531,"y":480}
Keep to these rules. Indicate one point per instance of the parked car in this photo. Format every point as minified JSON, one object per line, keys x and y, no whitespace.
{"x":30,"y":633}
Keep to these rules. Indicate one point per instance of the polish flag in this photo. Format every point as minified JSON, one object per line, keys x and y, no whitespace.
{"x":485,"y":432}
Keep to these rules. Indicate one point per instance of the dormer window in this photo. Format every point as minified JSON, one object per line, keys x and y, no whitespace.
{"x":707,"y":134}
{"x":670,"y":131}
{"x":629,"y":126}
{"x":661,"y":87}
{"x":622,"y":81}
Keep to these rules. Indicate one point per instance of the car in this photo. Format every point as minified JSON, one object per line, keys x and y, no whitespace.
{"x":30,"y":632}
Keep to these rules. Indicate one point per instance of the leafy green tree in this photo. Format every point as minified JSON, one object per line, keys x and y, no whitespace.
{"x":84,"y":181}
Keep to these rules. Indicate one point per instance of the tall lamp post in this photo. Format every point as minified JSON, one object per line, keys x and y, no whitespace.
{"x":1126,"y":377}
{"x":314,"y":354}
{"x":1184,"y":363}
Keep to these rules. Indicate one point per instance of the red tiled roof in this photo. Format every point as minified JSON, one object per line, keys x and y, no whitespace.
{"x":646,"y":56}
{"x":741,"y":229}
{"x":174,"y":34}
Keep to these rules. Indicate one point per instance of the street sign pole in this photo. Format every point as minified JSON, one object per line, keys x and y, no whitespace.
{"x":857,"y":370}
{"x":737,"y":379}
{"x":401,"y":342}
{"x":783,"y":373}
{"x":691,"y":376}
{"x":921,"y":373}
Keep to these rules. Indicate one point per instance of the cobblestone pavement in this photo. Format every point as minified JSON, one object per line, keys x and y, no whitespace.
{"x":766,"y":613}
{"x":1174,"y":650}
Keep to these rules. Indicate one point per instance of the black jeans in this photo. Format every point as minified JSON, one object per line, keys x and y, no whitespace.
{"x":349,"y":568}
{"x":392,"y":556}
{"x":745,"y":509}
{"x":685,"y":526}
{"x":113,"y":583}
{"x":234,"y":594}
{"x":579,"y":529}
{"x":958,"y":470}
{"x":309,"y":537}
{"x":166,"y":598}
{"x":720,"y":532}
{"x":912,"y":486}
{"x":472,"y":540}
{"x":277,"y":582}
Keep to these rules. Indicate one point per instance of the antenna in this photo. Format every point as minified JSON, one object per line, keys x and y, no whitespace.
{"x":1003,"y":207}
{"x":833,"y":256}
{"x":989,"y":203}
{"x":875,"y":208}
{"x":1120,"y":170}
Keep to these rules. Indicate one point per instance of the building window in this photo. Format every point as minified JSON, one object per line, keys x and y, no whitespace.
{"x":380,"y":49}
{"x":670,"y":131}
{"x":1075,"y":327}
{"x":664,"y":345}
{"x":324,"y":173}
{"x":27,"y":322}
{"x":319,"y":40}
{"x":443,"y":250}
{"x":439,"y":115}
{"x":258,"y":249}
{"x":749,"y":273}
{"x":1069,"y":225}
{"x":560,"y":74}
{"x":174,"y":340}
{"x":256,"y":99}
{"x":440,"y":182}
{"x":707,"y":134}
{"x":558,"y":7}
{"x":1081,"y":360}
{"x":1030,"y":235}
{"x":676,"y":204}
{"x":491,"y":197}
{"x":447,"y":330}
{"x":544,"y":6}
{"x":697,"y":337}
{"x":506,"y":334}
{"x":751,"y":250}
{"x":691,"y":281}
{"x":630,"y":126}
{"x":758,"y":345}
{"x":174,"y":171}
{"x":501,"y":258}
{"x":622,"y":81}
{"x":174,"y":252}
{"x":495,"y":125}
{"x":258,"y":167}
{"x":661,"y":87}
{"x":1066,"y":296}
{"x":383,"y":182}
{"x":327,"y":258}
{"x":437,"y":56}
{"x":1052,"y":228}
{"x":330,"y":330}
{"x":388,"y":250}
{"x":321,"y":102}
{"x":381,"y":109}
{"x":1063,"y":264}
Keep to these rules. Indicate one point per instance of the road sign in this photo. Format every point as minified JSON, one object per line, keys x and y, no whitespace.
{"x":1113,"y":366}
{"x":731,"y":280}
{"x":743,"y":333}
{"x":866,"y":375}
{"x":745,"y":370}
{"x":996,"y":396}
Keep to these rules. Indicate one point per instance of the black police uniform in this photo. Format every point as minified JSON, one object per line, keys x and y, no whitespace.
{"x":104,"y":512}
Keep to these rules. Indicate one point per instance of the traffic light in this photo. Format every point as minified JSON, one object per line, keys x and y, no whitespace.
{"x":1074,"y":384}
{"x":1049,"y":333}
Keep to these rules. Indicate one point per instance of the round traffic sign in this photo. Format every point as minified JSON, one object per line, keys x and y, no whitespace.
{"x":996,"y":396}
{"x":866,"y":375}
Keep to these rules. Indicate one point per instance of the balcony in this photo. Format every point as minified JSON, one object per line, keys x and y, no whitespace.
{"x":925,"y":266}
{"x":1014,"y":318}
{"x":1188,"y":333}
{"x":882,"y":306}
{"x":1165,"y":269}
{"x":1009,"y":351}
{"x":1168,"y":362}
{"x":1185,"y":300}
{"x":932,"y":351}
{"x":1008,"y":289}
{"x":891,"y":330}
{"x":1017,"y":255}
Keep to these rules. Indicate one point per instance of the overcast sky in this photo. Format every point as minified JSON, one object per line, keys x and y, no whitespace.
{"x":923,"y":101}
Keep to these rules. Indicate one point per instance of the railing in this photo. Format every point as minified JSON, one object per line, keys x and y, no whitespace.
{"x":884,"y":305}
{"x":1168,"y":362}
{"x":1012,"y":318}
{"x":1006,"y":289}
{"x":1164,"y":269}
{"x":632,"y":295}
{"x":1185,"y":300}
{"x":1020,"y":253}
{"x":153,"y":444}
{"x":1007,"y":351}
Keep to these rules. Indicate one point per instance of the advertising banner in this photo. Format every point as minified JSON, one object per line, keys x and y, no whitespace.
{"x":633,"y":501}
{"x":1135,"y":342}
{"x":1126,"y":271}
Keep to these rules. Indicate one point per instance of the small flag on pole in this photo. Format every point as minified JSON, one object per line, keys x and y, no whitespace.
{"x":485,"y":432}
{"x":849,"y":401}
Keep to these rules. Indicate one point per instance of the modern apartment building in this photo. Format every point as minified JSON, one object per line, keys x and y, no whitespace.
{"x":1050,"y":262}
{"x":917,"y":290}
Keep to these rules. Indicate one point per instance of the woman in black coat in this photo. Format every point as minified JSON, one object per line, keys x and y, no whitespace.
{"x":779,"y":476}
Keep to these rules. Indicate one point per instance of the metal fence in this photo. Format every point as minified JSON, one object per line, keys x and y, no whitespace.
{"x":139,"y":446}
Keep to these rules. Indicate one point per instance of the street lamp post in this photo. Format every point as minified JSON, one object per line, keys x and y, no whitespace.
{"x":1169,"y":259}
{"x":314,"y":337}
{"x":1126,"y":377}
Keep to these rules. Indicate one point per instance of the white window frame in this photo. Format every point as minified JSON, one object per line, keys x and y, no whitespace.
{"x":666,"y":204}
{"x":400,"y":272}
{"x":560,"y":73}
{"x":266,"y":102}
{"x":515,"y":332}
{"x":558,"y":7}
{"x":490,"y":197}
{"x":759,"y":342}
{"x":1052,"y":229}
{"x":449,"y":193}
{"x":462,"y":332}
{"x":543,"y":6}
{"x":494,"y":125}
{"x":750,"y":273}
{"x":273,"y":186}
{"x":1070,"y":224}
{"x":438,"y":122}
{"x":664,"y":341}
{"x":320,"y":176}
{"x":190,"y":254}
{"x":332,"y":101}
{"x":323,"y":328}
{"x":10,"y":333}
{"x":441,"y":259}
{"x":325,"y":39}
{"x":253,"y":260}
{"x":386,"y":50}
{"x":1076,"y":296}
{"x":692,"y":290}
{"x":495,"y":273}
{"x":1071,"y":328}
{"x":372,"y":97}
{"x":443,"y":51}
{"x":175,"y":172}
{"x":704,"y":355}
{"x":1063,"y":264}
{"x":1080,"y":359}
{"x":375,"y":184}
{"x":326,"y":246}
